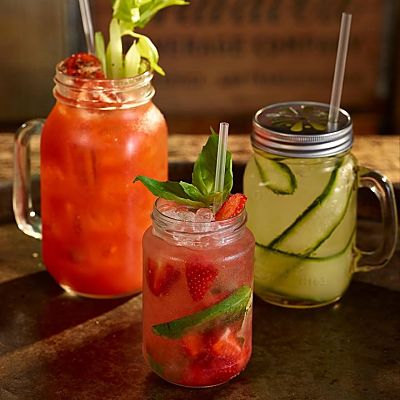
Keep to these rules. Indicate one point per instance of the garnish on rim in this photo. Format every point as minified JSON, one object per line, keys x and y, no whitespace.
{"x":201,"y":192}
{"x":82,"y":65}
{"x":127,"y":16}
{"x":232,"y":207}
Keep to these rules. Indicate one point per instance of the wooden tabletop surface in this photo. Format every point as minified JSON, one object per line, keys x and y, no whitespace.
{"x":378,"y":152}
{"x":54,"y":346}
{"x":59,"y":347}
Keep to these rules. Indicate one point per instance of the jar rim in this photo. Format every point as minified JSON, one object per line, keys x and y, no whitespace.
{"x":333,"y":140}
{"x":117,"y":82}
{"x":104,"y":94}
{"x":215,"y":226}
{"x":198,"y":235}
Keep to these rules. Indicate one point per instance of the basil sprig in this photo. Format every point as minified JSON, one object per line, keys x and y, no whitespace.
{"x":201,"y":192}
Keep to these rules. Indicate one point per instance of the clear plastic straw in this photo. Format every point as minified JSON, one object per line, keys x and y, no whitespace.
{"x":87,"y":24}
{"x":340,"y":66}
{"x":220,"y":167}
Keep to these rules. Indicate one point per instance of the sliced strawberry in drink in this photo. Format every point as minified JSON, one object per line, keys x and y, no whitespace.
{"x":232,"y":206}
{"x":83,"y":65}
{"x":217,"y":355}
{"x":193,"y":344}
{"x":160,"y":277}
{"x":208,"y":371}
{"x":224,"y":369}
{"x":227,"y":345}
{"x":199,"y":277}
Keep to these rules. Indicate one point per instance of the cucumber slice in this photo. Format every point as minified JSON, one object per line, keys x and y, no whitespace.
{"x":230,"y":308}
{"x":299,"y":257}
{"x":320,"y":219}
{"x":295,"y":277}
{"x":275,"y":175}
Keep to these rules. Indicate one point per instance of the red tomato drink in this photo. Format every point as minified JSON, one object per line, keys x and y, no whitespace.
{"x":99,"y":135}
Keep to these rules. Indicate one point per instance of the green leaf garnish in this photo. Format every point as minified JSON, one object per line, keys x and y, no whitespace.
{"x":168,"y":190}
{"x":203,"y":176}
{"x":127,"y":16}
{"x":192,"y":192}
{"x":232,"y":307}
{"x":201,"y":192}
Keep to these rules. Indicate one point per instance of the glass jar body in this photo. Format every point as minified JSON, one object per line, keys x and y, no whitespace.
{"x":302,"y":212}
{"x":203,"y":294}
{"x":93,"y":217}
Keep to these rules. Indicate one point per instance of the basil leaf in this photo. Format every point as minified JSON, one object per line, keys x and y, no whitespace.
{"x":228,"y":179}
{"x":203,"y":176}
{"x":168,"y":190}
{"x":192,"y":192}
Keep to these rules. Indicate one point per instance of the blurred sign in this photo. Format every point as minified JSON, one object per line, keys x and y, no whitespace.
{"x":235,"y":56}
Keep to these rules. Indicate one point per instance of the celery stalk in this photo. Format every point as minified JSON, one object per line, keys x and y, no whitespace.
{"x":100,"y":49}
{"x":114,"y":52}
{"x":128,"y":15}
{"x":132,"y":61}
{"x":149,"y":51}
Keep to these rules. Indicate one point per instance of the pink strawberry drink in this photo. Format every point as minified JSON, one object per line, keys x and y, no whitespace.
{"x":197,"y":295}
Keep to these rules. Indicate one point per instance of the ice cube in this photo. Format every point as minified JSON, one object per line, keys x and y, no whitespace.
{"x":187,"y":216}
{"x":167,"y":207}
{"x":204,"y":215}
{"x":178,"y":212}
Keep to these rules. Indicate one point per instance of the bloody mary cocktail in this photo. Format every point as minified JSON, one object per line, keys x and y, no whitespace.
{"x":99,"y":134}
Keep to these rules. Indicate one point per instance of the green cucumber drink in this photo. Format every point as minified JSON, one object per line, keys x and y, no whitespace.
{"x":301,"y":186}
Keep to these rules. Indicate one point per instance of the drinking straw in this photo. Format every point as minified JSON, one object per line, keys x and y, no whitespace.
{"x":340,"y":66}
{"x":87,"y":24}
{"x":220,"y":167}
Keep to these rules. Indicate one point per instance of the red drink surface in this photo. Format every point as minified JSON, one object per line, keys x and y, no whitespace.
{"x":93,"y":216}
{"x":180,"y":281}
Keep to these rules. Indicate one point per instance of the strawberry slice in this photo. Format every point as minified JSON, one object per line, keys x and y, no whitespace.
{"x":216,"y":356}
{"x":232,"y":206}
{"x":199,"y":277}
{"x":227,"y":345}
{"x":193,"y":344}
{"x":160,"y":278}
{"x":208,"y":371}
{"x":83,"y":65}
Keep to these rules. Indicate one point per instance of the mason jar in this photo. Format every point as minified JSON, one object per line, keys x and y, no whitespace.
{"x":197,"y":298}
{"x":301,"y":185}
{"x":98,"y":137}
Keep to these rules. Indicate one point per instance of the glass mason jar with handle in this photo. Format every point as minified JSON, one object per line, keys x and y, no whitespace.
{"x":302,"y":186}
{"x":197,"y":297}
{"x":98,"y":137}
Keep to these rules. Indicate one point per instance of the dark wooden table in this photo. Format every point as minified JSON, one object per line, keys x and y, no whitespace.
{"x":53,"y":346}
{"x":57,"y":347}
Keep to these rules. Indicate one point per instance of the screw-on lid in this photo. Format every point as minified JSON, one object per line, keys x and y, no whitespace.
{"x":300,"y":129}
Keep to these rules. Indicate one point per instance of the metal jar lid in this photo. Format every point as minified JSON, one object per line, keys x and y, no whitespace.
{"x":300,"y":129}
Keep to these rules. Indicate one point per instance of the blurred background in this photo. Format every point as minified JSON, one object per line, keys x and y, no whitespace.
{"x":224,"y":59}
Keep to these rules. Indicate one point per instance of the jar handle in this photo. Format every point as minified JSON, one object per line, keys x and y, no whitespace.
{"x":383,"y":189}
{"x":27,"y":219}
